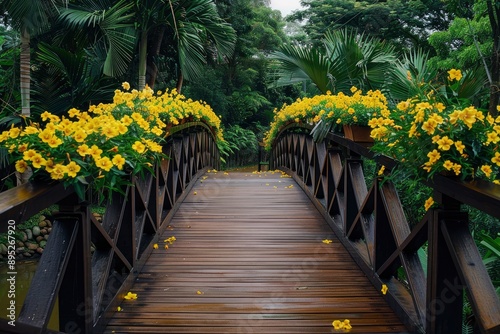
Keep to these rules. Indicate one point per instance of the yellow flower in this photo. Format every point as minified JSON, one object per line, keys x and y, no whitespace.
{"x":118,"y":161}
{"x":130,"y":296}
{"x":337,"y":324}
{"x":45,"y":115}
{"x":444,"y":144}
{"x":166,"y":247}
{"x":49,"y":165}
{"x":459,"y":146}
{"x":14,"y":132}
{"x":104,"y":164}
{"x":73,"y":112}
{"x":448,"y":165}
{"x":433,"y":156}
{"x":79,"y":136}
{"x":493,"y":137}
{"x":58,"y":172}
{"x":126,"y":85}
{"x":486,"y":169}
{"x":384,"y":289}
{"x":457,"y":168}
{"x":454,"y":74}
{"x":95,"y":152}
{"x":83,"y":150}
{"x":29,"y":154}
{"x":347,"y":324}
{"x":72,"y":169}
{"x":21,"y":166}
{"x":139,"y":147}
{"x":496,"y":159}
{"x":38,"y":161}
{"x":428,"y":203}
{"x":54,"y":142}
{"x":155,"y":246}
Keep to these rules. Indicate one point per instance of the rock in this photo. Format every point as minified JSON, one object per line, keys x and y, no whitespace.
{"x":46,"y":237}
{"x":39,"y":250}
{"x":43,"y":243}
{"x":49,"y":223}
{"x":49,"y":230}
{"x":43,"y":223}
{"x":20,"y":250}
{"x":20,"y":244}
{"x":39,"y":238}
{"x":41,"y":218}
{"x":24,"y":236}
{"x":26,"y":254}
{"x":43,"y":231}
{"x":29,"y":234}
{"x":3,"y":249}
{"x":31,"y":246}
{"x":19,"y":257}
{"x":36,"y":231}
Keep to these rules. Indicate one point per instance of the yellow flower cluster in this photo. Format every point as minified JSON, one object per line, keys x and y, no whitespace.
{"x":338,"y":109}
{"x":107,"y":142}
{"x":436,"y":136}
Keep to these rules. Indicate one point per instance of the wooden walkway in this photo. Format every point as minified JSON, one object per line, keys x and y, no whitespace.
{"x":249,"y":257}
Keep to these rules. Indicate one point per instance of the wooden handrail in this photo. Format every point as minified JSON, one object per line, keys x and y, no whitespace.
{"x":89,"y":284}
{"x":371,"y":224}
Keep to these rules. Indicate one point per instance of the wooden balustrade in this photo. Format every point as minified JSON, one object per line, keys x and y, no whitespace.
{"x":88,"y":265}
{"x":372,"y":225}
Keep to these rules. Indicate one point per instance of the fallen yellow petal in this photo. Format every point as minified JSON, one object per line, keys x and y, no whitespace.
{"x":119,"y":309}
{"x":199,"y":292}
{"x":327,"y":241}
{"x":384,"y":289}
{"x":195,"y":193}
{"x":130,"y":296}
{"x":155,"y":246}
{"x":166,"y":246}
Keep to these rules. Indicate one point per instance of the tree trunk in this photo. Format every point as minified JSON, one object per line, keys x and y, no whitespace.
{"x":143,"y":56}
{"x":155,"y":51}
{"x":494,"y":16}
{"x":25,"y":77}
{"x":180,"y":81}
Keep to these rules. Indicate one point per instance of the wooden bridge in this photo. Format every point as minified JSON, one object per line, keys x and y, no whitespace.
{"x":251,"y":253}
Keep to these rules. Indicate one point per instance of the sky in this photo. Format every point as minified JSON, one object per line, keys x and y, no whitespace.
{"x":285,"y":6}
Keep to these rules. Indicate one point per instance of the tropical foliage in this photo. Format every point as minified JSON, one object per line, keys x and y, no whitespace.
{"x":347,"y":59}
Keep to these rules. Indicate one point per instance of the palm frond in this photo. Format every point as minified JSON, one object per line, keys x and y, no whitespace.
{"x":116,"y":27}
{"x":297,"y":63}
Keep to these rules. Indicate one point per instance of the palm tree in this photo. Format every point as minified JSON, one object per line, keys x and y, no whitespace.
{"x":196,"y":27}
{"x":29,"y":17}
{"x":348,"y":59}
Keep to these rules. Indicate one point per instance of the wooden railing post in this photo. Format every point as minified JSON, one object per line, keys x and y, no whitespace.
{"x":75,"y":293}
{"x":444,"y":289}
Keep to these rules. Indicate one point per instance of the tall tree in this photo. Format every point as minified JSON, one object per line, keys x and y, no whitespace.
{"x":405,"y":22}
{"x":29,"y":17}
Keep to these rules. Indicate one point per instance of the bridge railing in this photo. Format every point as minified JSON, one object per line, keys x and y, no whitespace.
{"x":371,"y":223}
{"x":88,"y":265}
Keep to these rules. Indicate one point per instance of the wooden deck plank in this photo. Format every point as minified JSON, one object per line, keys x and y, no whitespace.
{"x":249,"y":258}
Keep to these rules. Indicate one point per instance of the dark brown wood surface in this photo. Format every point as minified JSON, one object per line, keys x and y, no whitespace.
{"x":249,"y":258}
